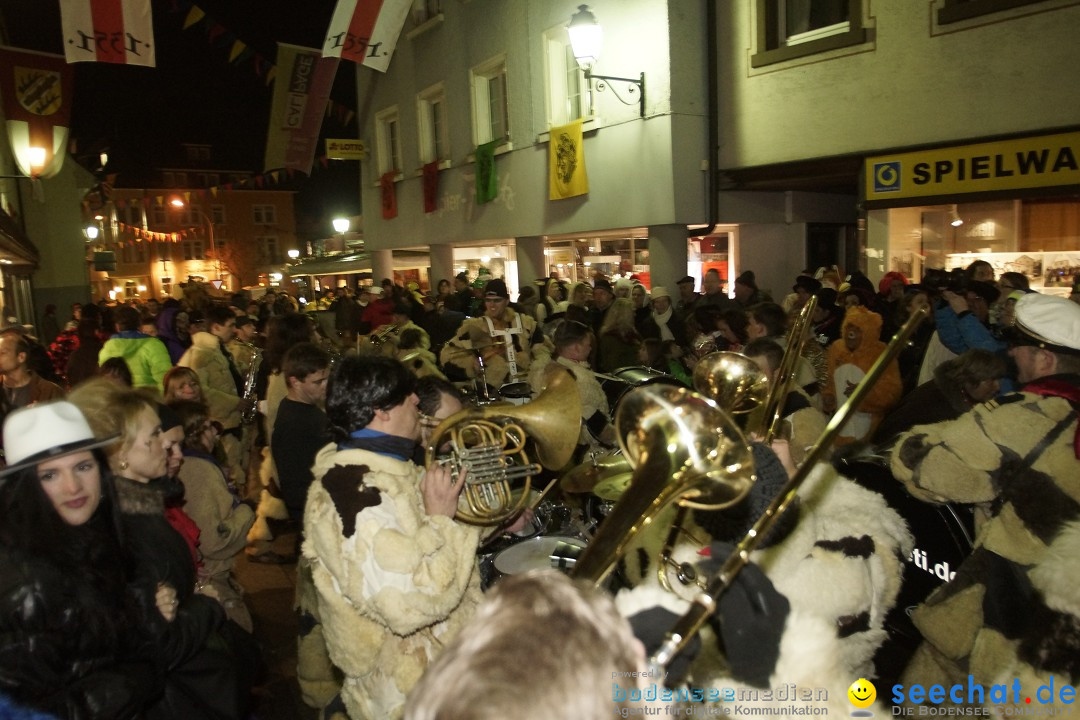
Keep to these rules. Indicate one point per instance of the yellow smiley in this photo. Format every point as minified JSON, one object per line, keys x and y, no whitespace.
{"x":862,"y":693}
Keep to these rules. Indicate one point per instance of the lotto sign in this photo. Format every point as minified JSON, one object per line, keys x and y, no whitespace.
{"x":111,"y":31}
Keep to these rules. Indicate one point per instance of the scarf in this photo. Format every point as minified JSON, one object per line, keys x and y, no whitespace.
{"x":1049,"y":387}
{"x":662,"y":321}
{"x":380,"y":443}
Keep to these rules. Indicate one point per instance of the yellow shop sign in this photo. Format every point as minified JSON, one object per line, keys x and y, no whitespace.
{"x":1032,"y":162}
{"x":346,"y":149}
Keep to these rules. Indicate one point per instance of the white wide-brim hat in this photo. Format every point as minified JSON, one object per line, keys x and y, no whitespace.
{"x":46,"y":431}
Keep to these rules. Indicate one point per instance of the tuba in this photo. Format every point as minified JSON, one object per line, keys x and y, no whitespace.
{"x":684,"y":449}
{"x":489,"y":442}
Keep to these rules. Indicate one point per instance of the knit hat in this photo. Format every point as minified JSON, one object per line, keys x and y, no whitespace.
{"x":747,"y":279}
{"x":660,"y":292}
{"x":809,"y":284}
{"x":604,"y":285}
{"x":686,"y":279}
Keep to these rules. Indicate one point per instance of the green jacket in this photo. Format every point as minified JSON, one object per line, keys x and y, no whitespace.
{"x":146,"y":357}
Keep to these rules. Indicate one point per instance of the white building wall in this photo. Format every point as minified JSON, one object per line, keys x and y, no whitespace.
{"x":913,"y":83}
{"x":641,"y":172}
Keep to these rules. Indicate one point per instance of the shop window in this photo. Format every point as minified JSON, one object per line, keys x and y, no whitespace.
{"x":956,"y":10}
{"x":789,"y":29}
{"x":431,"y":112}
{"x":388,"y":140}
{"x":568,"y":97}
{"x":491,"y":115}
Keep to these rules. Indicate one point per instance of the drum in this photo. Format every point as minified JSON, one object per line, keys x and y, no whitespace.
{"x":516,"y":393}
{"x":626,"y":379}
{"x":539,"y":553}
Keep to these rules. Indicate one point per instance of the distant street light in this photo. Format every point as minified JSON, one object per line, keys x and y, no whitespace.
{"x":293,"y":254}
{"x":91,"y":232}
{"x":178,"y":203}
{"x":341,"y":225}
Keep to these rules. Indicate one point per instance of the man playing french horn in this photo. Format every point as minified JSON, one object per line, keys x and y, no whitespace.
{"x":504,"y":339}
{"x":394,"y":574}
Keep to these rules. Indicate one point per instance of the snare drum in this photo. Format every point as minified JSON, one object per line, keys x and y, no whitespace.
{"x":516,"y":393}
{"x":539,"y":553}
{"x":626,"y":379}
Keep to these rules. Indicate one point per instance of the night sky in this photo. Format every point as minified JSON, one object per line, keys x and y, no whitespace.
{"x":142,"y":115}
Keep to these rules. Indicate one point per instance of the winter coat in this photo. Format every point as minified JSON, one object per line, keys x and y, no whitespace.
{"x":208,"y":361}
{"x":145,"y":356}
{"x":394,"y":584}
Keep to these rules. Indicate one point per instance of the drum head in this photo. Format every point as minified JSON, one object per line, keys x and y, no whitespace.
{"x":534,"y":554}
{"x":629,"y":378}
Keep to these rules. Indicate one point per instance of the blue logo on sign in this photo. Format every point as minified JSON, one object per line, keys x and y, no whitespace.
{"x":887,"y":176}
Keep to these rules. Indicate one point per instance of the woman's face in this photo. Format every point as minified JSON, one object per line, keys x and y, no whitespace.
{"x":444,"y":287}
{"x":73,"y":485}
{"x":726,"y":332}
{"x":638,"y":296}
{"x":144,"y":454}
{"x":186,"y":388}
{"x":984,"y":273}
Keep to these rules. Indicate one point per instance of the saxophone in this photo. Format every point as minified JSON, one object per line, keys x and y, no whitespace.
{"x":252,"y":409}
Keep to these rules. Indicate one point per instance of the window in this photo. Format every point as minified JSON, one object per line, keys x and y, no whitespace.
{"x":158,"y":215}
{"x":214,"y":179}
{"x":168,"y":179}
{"x":955,"y":10}
{"x":181,"y":179}
{"x":431,"y":111}
{"x":788,"y":29}
{"x":568,"y":97}
{"x":264,"y":214}
{"x":217,"y":214}
{"x":269,"y":252}
{"x":135,"y":252}
{"x":193,"y":249}
{"x":424,"y":10}
{"x":491,"y":116}
{"x":388,"y":140}
{"x":133,"y":215}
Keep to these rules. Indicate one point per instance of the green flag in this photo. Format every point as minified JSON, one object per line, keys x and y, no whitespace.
{"x":487,"y":184}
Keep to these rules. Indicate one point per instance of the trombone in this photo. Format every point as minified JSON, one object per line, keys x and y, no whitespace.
{"x":705,"y":604}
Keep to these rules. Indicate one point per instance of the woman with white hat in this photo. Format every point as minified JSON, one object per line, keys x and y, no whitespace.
{"x":66,"y":641}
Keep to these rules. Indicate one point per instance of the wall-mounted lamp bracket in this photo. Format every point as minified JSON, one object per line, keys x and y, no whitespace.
{"x":638,"y":84}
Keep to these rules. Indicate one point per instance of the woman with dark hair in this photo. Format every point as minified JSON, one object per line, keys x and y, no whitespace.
{"x":69,"y":640}
{"x":732,"y":326}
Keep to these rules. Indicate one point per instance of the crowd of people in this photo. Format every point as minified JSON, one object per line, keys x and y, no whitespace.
{"x":146,"y":445}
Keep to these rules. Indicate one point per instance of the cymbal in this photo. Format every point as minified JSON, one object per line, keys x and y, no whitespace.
{"x":612,"y":488}
{"x":584,"y":477}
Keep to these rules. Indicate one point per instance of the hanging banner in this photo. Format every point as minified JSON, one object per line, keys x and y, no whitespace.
{"x":487,"y":183}
{"x":109,"y":31}
{"x":36,"y":90}
{"x":431,"y":186}
{"x":301,"y":89}
{"x":366,"y":31}
{"x":566,"y":162}
{"x":389,"y":195}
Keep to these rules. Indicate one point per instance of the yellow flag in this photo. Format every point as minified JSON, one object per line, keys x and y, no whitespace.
{"x":566,"y":174}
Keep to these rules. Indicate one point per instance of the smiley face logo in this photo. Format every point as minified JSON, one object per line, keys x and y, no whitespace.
{"x":862,"y":693}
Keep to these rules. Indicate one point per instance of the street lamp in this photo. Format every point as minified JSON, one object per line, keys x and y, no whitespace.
{"x":178,"y":203}
{"x":341,"y":225}
{"x":586,"y":39}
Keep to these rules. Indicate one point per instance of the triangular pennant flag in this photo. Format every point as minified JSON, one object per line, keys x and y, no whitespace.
{"x":389,"y":195}
{"x":487,"y":184}
{"x":237,"y":49}
{"x":194,"y":15}
{"x":566,"y":162}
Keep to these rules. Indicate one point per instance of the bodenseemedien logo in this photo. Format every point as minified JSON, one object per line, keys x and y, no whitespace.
{"x":862,"y":694}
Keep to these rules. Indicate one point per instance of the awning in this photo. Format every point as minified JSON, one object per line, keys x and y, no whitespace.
{"x":14,"y":245}
{"x":336,"y":265}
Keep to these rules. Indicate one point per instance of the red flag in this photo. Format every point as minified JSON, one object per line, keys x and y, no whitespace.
{"x":366,"y":31}
{"x":110,"y":31}
{"x":389,"y":195}
{"x":431,"y":186}
{"x":37,"y":94}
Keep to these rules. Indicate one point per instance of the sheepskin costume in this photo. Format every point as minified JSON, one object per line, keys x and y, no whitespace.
{"x":839,"y":567}
{"x":1013,"y":458}
{"x":394,"y":584}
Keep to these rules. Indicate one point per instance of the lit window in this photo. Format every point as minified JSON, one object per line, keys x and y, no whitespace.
{"x":788,"y":29}
{"x":491,"y":115}
{"x":388,"y":140}
{"x":567,"y":94}
{"x":431,"y":111}
{"x":193,"y":249}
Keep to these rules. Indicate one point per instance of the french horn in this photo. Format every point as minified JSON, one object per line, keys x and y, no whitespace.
{"x":489,"y":442}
